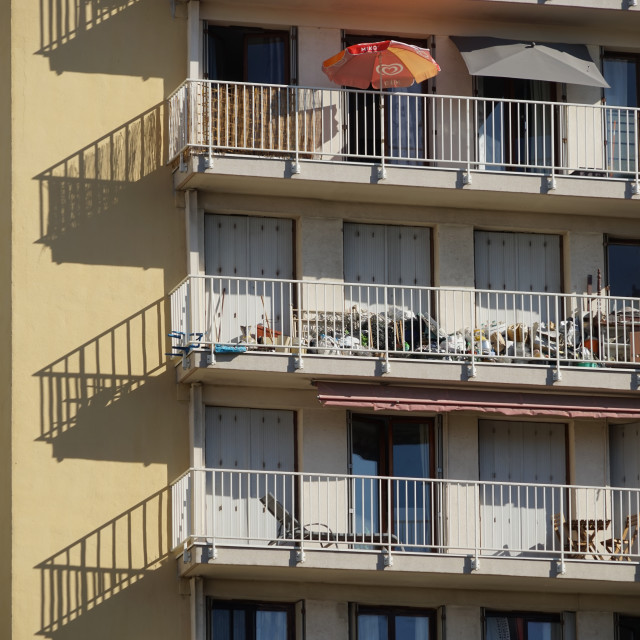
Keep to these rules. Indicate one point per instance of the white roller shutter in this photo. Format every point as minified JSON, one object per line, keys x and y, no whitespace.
{"x":394,"y":255}
{"x":516,"y":518}
{"x":247,"y":440}
{"x":259,"y":250}
{"x":523,"y":262}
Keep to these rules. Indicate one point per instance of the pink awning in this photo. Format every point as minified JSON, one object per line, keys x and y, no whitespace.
{"x":383,"y":398}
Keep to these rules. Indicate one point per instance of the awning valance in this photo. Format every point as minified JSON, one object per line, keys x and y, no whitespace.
{"x":554,"y":62}
{"x":508,"y":403}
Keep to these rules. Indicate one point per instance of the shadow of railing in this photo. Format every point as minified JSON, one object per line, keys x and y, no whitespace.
{"x":103,"y":563}
{"x":84,"y":387}
{"x":96,"y":181}
{"x":64,"y":20}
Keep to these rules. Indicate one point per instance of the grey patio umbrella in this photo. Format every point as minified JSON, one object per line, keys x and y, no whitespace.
{"x":555,"y":62}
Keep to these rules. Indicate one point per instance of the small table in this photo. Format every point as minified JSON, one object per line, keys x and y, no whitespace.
{"x":587,"y":542}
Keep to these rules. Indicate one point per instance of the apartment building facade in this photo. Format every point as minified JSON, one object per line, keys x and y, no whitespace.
{"x":295,"y":360}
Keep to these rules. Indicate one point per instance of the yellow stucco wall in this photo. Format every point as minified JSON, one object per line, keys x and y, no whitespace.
{"x":97,"y":243}
{"x":5,"y":318}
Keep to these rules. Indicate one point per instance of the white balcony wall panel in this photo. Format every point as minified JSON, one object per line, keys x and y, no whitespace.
{"x":253,"y":247}
{"x":514,"y":452}
{"x":236,"y":439}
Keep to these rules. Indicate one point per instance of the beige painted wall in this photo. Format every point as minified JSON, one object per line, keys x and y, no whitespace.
{"x":97,"y":243}
{"x":463,"y":623}
{"x":6,"y":131}
{"x":594,"y":625}
{"x":326,"y":620}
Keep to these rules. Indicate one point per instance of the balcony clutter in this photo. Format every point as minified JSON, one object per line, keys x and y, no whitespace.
{"x":588,"y":340}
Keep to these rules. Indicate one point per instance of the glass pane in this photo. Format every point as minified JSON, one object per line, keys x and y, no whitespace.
{"x":221,"y":625}
{"x":271,"y":625}
{"x":628,"y":628}
{"x":266,"y":59}
{"x":412,"y":498}
{"x":372,"y":627}
{"x":624,"y":272}
{"x":366,"y":461}
{"x":412,"y":628}
{"x":621,"y":130}
{"x":544,"y":631}
{"x":228,"y":625}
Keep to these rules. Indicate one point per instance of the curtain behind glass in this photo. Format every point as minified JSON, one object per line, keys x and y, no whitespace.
{"x":372,"y":627}
{"x":412,"y":628}
{"x":271,"y":625}
{"x":266,"y":59}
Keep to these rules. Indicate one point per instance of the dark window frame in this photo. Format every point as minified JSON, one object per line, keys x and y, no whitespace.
{"x":392,"y":612}
{"x":526,"y":616}
{"x":250,"y":608}
{"x":244,"y":34}
{"x":622,"y":620}
{"x":610,"y":241}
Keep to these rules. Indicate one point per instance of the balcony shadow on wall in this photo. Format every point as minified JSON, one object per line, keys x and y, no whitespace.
{"x":120,"y":37}
{"x":104,"y":204}
{"x":100,"y":401}
{"x":80,"y":584}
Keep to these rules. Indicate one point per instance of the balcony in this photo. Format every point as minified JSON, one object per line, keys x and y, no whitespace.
{"x":434,"y":333}
{"x":417,"y":523}
{"x":220,"y":132}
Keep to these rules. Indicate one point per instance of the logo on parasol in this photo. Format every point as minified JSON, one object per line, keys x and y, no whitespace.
{"x":389,"y":69}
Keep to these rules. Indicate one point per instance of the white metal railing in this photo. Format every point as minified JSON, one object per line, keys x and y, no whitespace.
{"x":419,"y":130}
{"x":404,"y":515}
{"x":440,"y":324}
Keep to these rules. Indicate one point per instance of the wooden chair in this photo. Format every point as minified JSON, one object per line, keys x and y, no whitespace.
{"x":620,"y":548}
{"x":565,"y":535}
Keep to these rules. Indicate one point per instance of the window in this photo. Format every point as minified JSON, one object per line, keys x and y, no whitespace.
{"x":622,"y":72}
{"x":242,"y":54}
{"x":382,"y":623}
{"x":515,"y":135}
{"x":506,"y":261}
{"x":514,"y":517}
{"x":402,"y":448}
{"x":523,"y":626}
{"x":405,"y":117}
{"x":623,"y":267}
{"x":378,"y":254}
{"x":240,"y":441}
{"x":251,"y":621}
{"x":627,"y":628}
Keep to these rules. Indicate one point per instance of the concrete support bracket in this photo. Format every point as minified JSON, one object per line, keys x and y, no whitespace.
{"x":298,"y":363}
{"x":295,"y":168}
{"x":472,"y":371}
{"x":186,"y":556}
{"x":300,"y":556}
{"x":382,"y":172}
{"x":475,"y":563}
{"x":388,"y":559}
{"x":212,"y":552}
{"x":386,"y":366}
{"x":635,"y":189}
{"x":561,"y":567}
{"x":551,"y":183}
{"x":466,"y":177}
{"x":557,"y":375}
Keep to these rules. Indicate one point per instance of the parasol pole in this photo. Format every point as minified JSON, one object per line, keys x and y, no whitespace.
{"x":382,"y":172}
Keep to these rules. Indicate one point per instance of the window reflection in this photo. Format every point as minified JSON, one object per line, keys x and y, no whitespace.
{"x":378,"y":623}
{"x":251,"y":621}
